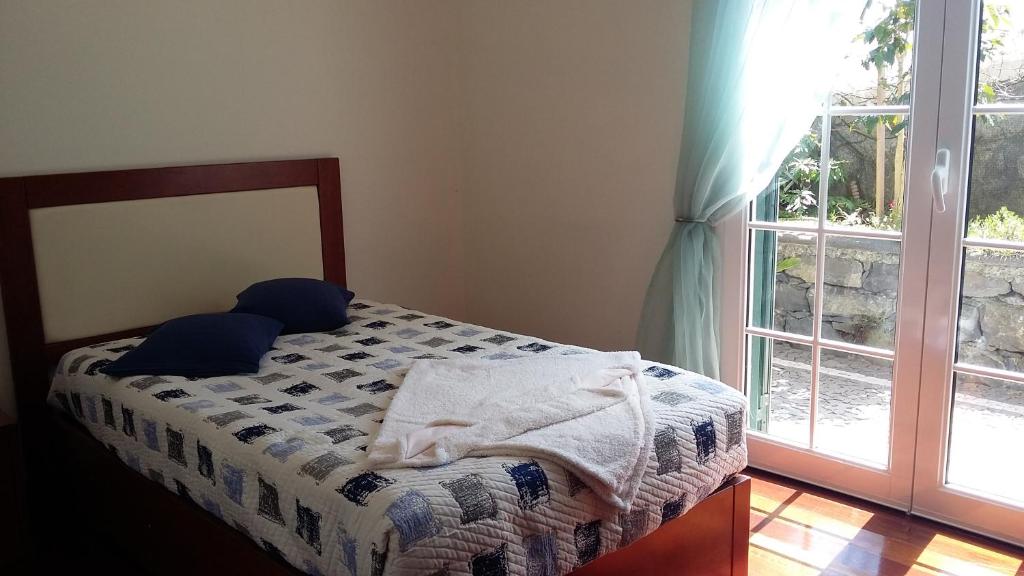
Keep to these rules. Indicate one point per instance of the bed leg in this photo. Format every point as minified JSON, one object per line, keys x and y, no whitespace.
{"x":741,"y":527}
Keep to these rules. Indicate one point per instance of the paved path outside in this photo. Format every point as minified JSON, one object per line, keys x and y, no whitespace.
{"x":853,"y":416}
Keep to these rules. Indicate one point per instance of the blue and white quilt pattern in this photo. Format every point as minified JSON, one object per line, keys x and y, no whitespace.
{"x":281,"y":454}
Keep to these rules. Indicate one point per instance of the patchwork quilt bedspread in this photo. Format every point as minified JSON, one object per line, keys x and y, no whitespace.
{"x":281,"y":454}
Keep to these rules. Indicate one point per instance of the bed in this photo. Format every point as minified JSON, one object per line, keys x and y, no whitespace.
{"x":267,"y":472}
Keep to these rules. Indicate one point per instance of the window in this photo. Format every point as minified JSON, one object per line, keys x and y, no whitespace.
{"x":884,"y":324}
{"x":825,"y":246}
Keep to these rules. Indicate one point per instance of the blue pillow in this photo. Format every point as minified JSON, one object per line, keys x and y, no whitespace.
{"x":202,"y":345}
{"x":301,"y":304}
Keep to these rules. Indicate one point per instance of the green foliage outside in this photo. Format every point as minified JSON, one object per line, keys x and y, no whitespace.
{"x":888,"y":46}
{"x":1003,"y":225}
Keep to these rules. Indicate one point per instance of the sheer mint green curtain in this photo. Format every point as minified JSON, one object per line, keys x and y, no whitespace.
{"x":759,"y":73}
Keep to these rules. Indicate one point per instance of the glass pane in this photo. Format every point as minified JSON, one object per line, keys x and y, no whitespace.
{"x":987,"y":412}
{"x":877,"y":66}
{"x":854,"y":394}
{"x":786,"y":369}
{"x":861,"y":279}
{"x":991,"y":325}
{"x":1001,"y":60}
{"x":867,"y":183}
{"x":796,"y":184}
{"x":995,"y":202}
{"x":782,"y":275}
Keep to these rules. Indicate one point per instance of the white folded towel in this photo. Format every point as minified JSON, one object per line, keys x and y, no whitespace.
{"x":588,"y":412}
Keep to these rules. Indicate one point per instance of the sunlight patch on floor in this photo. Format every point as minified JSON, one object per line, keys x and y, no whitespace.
{"x":965,"y":559}
{"x":799,"y":533}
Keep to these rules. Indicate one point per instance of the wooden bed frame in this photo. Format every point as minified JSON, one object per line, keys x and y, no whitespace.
{"x":76,"y":490}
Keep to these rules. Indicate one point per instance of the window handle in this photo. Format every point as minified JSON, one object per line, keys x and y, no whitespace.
{"x":940,"y":179}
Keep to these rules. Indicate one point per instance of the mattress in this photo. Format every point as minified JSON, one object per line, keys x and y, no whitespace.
{"x":281,"y":455}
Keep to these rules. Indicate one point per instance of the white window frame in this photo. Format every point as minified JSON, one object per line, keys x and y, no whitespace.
{"x":892,"y":485}
{"x":926,"y":331}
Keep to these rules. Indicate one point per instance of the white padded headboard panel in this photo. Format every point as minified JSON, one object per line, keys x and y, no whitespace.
{"x":115,"y":266}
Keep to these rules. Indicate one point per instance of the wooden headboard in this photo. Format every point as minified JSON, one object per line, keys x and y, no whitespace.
{"x":27,"y":203}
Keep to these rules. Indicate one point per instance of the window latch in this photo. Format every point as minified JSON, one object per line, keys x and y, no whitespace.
{"x":940,"y":179}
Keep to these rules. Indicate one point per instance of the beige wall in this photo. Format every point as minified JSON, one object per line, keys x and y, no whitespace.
{"x":120,"y":84}
{"x":510,"y":163}
{"x":570,"y":139}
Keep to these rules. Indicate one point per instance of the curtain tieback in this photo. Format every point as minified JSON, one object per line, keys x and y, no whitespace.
{"x":682,"y":220}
